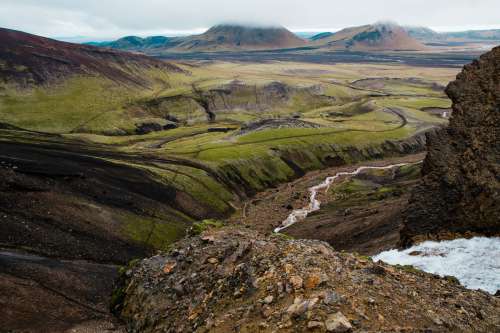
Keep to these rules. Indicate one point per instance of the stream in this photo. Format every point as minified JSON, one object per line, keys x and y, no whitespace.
{"x":314,"y":204}
{"x":474,"y":262}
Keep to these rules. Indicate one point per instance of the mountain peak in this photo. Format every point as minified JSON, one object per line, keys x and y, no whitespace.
{"x":135,"y":43}
{"x":223,"y":37}
{"x":234,"y":25}
{"x":386,"y":25}
{"x":380,"y":36}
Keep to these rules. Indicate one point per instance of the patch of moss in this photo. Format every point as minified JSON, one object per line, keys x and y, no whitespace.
{"x":409,"y":269}
{"x":81,"y":104}
{"x":451,"y":279}
{"x":117,"y":298}
{"x":119,"y":292}
{"x":416,"y":102}
{"x":362,"y":257}
{"x":20,"y":68}
{"x":129,"y":265}
{"x":350,"y":189}
{"x":282,"y":236}
{"x":152,"y":232}
{"x":409,"y":172}
{"x":205,"y":190}
{"x":355,"y":185}
{"x":384,"y":192}
{"x":74,"y":104}
{"x":199,"y":227}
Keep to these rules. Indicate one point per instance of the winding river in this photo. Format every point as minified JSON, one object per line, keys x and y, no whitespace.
{"x":314,"y":204}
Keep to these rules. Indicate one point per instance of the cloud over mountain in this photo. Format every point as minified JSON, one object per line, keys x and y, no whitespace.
{"x":113,"y":18}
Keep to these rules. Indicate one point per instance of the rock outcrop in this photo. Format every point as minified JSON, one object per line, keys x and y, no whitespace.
{"x":236,"y":280}
{"x":460,"y":190}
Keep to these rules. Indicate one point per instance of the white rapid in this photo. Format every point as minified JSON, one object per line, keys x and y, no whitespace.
{"x":314,"y":204}
{"x":474,"y":262}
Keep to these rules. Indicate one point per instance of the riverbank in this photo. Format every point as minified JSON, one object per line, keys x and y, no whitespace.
{"x":362,"y":215}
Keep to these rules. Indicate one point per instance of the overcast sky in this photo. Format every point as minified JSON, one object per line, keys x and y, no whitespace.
{"x":107,"y":19}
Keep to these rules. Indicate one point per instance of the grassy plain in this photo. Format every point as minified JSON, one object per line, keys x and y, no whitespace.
{"x":217,"y":162}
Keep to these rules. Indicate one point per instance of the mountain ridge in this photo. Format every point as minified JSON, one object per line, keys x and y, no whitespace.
{"x":28,"y":59}
{"x":136,"y":43}
{"x":427,"y":34}
{"x":372,"y":37}
{"x":231,"y":37}
{"x":381,"y":36}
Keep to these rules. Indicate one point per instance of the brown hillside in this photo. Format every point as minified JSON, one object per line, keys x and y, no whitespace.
{"x":235,"y":37}
{"x":377,"y":37}
{"x":28,"y":59}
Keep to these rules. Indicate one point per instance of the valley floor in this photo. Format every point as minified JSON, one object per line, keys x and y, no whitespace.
{"x":312,"y":55}
{"x":94,"y":174}
{"x":360,"y":214}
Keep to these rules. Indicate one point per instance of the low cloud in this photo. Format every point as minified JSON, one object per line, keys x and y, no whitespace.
{"x":103,"y":19}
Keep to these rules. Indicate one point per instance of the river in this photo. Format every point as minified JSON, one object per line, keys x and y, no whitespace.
{"x":314,"y":204}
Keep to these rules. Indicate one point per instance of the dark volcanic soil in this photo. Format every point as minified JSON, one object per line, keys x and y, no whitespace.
{"x":60,"y":200}
{"x":67,"y":204}
{"x":40,"y":294}
{"x":309,"y":54}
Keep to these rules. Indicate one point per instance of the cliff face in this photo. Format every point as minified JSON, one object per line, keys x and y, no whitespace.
{"x":460,"y":190}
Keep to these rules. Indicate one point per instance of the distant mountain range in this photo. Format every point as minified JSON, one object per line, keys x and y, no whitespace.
{"x":427,"y":35}
{"x":217,"y":38}
{"x":376,"y":37}
{"x":134,"y":43}
{"x":373,"y":37}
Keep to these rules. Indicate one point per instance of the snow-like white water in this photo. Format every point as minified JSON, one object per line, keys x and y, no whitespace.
{"x":474,"y":262}
{"x":314,"y":204}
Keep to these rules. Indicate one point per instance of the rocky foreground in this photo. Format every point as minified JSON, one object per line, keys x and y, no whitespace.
{"x":237,"y":280}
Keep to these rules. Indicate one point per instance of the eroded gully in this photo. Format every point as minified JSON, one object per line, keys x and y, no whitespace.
{"x":314,"y":204}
